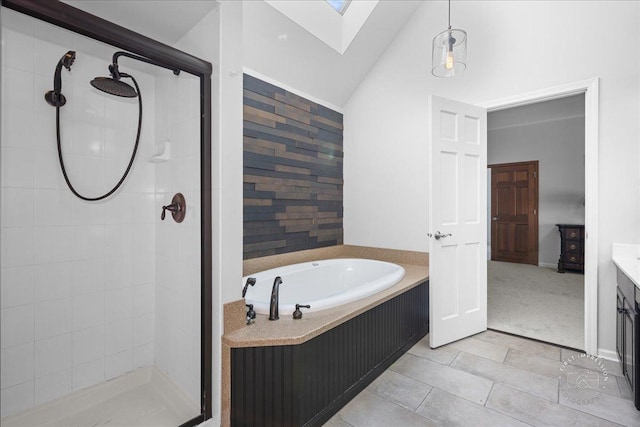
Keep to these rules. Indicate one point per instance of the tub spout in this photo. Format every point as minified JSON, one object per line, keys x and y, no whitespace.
{"x":273,"y":307}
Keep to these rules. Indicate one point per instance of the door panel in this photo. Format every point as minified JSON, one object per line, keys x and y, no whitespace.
{"x":514,"y":204}
{"x":458,"y":189}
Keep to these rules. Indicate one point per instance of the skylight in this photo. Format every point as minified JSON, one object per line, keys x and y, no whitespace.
{"x":339,"y":6}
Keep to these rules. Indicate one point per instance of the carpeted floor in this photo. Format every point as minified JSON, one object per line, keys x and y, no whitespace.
{"x":536,"y":302}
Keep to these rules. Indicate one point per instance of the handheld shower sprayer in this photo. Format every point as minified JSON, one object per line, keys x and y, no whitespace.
{"x":55,"y":97}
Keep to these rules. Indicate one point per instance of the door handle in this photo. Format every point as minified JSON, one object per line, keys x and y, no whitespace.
{"x":495,"y":218}
{"x":439,"y":235}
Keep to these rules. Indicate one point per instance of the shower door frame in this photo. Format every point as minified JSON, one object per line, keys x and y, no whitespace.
{"x":86,"y":24}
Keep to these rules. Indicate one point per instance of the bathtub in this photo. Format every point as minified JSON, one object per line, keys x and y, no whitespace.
{"x":322,"y":284}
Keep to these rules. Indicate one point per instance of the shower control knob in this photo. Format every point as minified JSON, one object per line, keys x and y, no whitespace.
{"x":178,"y":208}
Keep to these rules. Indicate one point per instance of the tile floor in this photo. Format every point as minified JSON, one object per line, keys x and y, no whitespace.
{"x":492,"y":379}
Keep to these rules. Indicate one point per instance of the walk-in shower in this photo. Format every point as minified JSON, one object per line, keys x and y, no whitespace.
{"x":106,"y":308}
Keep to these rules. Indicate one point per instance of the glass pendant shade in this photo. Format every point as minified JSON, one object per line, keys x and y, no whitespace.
{"x":449,"y":54}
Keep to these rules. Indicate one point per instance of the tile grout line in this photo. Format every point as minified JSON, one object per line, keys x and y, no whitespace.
{"x":394,"y":403}
{"x":499,"y":412}
{"x":506,"y":355}
{"x":454,"y":359}
{"x":422,"y":401}
{"x":493,"y":383}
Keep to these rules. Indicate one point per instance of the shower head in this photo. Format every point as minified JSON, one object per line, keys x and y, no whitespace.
{"x":113,"y":86}
{"x":55,"y":97}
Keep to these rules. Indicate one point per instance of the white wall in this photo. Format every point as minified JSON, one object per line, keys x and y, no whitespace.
{"x":526,"y":133}
{"x":277,"y":47}
{"x":178,"y":293}
{"x":78,"y":278}
{"x":217,"y":38}
{"x":514,"y":48}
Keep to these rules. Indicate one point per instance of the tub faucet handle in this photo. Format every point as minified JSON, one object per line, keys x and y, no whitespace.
{"x":251,"y":314}
{"x":298,"y":314}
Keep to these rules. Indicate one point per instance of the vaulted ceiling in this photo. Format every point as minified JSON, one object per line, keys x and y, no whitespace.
{"x":279,"y":48}
{"x":274,"y":45}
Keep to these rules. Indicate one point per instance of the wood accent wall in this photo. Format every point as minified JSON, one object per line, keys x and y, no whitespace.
{"x":292,"y":172}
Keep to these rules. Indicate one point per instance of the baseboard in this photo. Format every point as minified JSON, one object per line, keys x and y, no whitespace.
{"x":608,"y":355}
{"x":547,"y":265}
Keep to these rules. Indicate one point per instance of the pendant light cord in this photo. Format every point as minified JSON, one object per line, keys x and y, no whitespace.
{"x":449,"y":14}
{"x":133,"y":154}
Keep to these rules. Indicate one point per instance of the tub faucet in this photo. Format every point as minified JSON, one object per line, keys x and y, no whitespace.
{"x":273,"y":307}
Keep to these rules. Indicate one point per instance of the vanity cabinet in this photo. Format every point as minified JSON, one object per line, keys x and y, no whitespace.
{"x":628,"y":333}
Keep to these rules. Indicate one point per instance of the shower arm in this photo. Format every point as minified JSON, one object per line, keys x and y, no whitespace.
{"x":114,"y":67}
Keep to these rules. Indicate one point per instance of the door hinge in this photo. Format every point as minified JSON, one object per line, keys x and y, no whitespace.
{"x":535,"y":174}
{"x":535,"y":211}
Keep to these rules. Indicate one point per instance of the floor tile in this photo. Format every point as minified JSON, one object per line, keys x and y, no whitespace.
{"x":400,"y":390}
{"x":555,"y":369}
{"x":370,"y":410}
{"x":336,"y":421}
{"x":450,"y":410}
{"x":533,"y":363}
{"x":584,"y":360}
{"x":522,"y":344}
{"x":481,"y":348}
{"x":454,"y":381}
{"x":615,"y":409}
{"x":443,"y":355}
{"x":574,"y":377}
{"x":538,"y":412}
{"x":535,"y":384}
{"x":623,"y":387}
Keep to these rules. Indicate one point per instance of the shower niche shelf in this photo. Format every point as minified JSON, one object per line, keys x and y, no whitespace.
{"x":163,"y":154}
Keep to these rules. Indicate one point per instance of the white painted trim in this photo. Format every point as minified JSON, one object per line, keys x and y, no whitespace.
{"x":591,"y":134}
{"x":590,"y":88}
{"x":547,"y":265}
{"x":288,"y":88}
{"x":608,"y":355}
{"x":537,"y":96}
{"x":538,"y":122}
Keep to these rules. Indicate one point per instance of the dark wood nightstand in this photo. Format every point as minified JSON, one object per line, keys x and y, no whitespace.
{"x":571,"y":247}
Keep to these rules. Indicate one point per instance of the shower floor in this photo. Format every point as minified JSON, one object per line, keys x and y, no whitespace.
{"x":145,"y":397}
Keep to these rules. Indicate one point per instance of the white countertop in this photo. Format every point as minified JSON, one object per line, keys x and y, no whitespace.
{"x":627,"y":258}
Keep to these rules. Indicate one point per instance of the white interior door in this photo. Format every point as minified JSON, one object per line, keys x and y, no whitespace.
{"x":458,"y":221}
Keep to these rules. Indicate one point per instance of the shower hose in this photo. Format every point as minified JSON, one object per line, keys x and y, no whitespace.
{"x":133,"y":154}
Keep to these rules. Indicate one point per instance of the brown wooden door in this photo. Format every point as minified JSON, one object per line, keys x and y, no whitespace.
{"x":514,"y":212}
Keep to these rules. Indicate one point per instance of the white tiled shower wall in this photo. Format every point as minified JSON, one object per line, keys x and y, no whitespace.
{"x":77,"y":278}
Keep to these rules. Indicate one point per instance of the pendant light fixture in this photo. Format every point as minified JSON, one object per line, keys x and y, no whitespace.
{"x":449,"y":53}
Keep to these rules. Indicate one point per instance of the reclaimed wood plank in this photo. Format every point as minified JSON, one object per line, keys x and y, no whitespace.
{"x":293,"y":178}
{"x":257,"y":202}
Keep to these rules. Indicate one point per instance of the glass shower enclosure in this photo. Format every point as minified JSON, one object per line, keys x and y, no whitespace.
{"x":101,"y":300}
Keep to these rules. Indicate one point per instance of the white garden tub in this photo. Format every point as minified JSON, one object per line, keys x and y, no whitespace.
{"x":322,"y":284}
